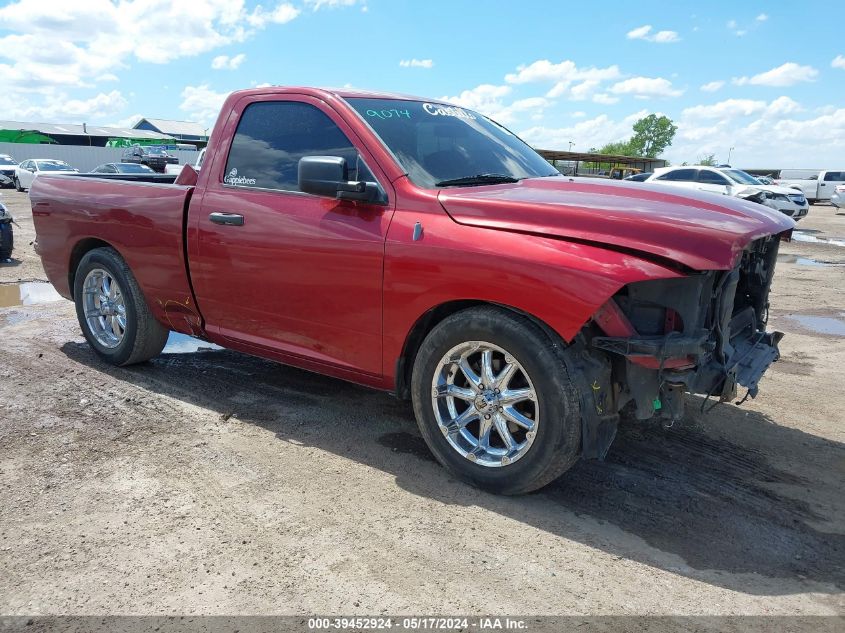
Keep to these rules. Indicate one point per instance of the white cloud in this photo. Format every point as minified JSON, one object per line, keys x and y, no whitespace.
{"x":723,"y":110}
{"x":93,"y":41}
{"x":482,"y":98}
{"x":660,"y":37}
{"x":126,"y":122}
{"x":583,"y":90}
{"x":838,"y":62}
{"x":766,"y":135}
{"x":645,"y":87}
{"x":488,"y":100}
{"x":762,"y":17}
{"x":604,"y":99}
{"x":734,"y":27}
{"x":282,"y":14}
{"x":416,"y":63}
{"x":201,"y":103}
{"x":544,"y":70}
{"x":316,"y":5}
{"x":785,"y":75}
{"x":585,"y":134}
{"x":639,"y":33}
{"x":712,"y":86}
{"x":224,"y":62}
{"x":666,"y":37}
{"x":569,"y":80}
{"x":59,"y":107}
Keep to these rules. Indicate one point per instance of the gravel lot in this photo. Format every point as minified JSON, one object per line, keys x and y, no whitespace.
{"x":217,"y":483}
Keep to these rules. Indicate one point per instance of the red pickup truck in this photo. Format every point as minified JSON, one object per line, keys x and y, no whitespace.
{"x":418,"y":247}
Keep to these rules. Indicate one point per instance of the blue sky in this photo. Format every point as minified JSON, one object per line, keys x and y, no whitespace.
{"x":765,"y":78}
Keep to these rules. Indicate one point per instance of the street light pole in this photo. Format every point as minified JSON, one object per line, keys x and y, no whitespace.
{"x":571,"y":143}
{"x":729,"y":154}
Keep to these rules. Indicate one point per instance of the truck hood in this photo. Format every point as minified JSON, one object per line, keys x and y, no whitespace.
{"x":698,"y":230}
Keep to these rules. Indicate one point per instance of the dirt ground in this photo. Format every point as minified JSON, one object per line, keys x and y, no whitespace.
{"x":217,"y":483}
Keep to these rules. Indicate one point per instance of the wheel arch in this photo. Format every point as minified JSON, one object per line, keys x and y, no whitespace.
{"x":79,"y":250}
{"x":429,"y":319}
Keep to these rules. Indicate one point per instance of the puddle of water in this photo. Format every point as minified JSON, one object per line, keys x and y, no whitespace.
{"x":183,"y":344}
{"x":804,"y":236}
{"x":806,"y":261}
{"x":820,"y":324}
{"x":27,"y":294}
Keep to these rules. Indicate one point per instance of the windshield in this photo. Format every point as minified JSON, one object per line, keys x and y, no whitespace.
{"x":737,"y":175}
{"x":53,"y":165}
{"x":133,"y":168}
{"x":155,"y":151}
{"x":436,"y":143}
{"x":6,"y":161}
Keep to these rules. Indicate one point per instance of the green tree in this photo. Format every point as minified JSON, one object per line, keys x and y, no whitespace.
{"x":652,"y":135}
{"x":618,"y":148}
{"x":707,"y":159}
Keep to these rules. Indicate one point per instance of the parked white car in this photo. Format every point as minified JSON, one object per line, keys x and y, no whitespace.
{"x":816,"y":187}
{"x":732,"y":182}
{"x":28,"y":170}
{"x":838,"y":197}
{"x":177,"y":169}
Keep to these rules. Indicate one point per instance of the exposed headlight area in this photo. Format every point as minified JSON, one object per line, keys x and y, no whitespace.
{"x":701,"y":334}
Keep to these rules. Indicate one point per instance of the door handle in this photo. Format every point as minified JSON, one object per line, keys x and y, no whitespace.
{"x":229,"y":219}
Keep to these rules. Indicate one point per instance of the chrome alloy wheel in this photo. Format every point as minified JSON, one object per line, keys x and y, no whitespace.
{"x":485,"y":404}
{"x":105,"y":311}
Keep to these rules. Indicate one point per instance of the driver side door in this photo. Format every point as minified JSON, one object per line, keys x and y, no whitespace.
{"x":281,"y":270}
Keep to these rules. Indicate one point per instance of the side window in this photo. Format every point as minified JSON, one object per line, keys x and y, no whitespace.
{"x":834,"y":175}
{"x":683,"y":175}
{"x":271,"y":138}
{"x":711,"y":178}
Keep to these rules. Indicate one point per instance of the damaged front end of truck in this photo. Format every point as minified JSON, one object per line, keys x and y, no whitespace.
{"x":655,"y":341}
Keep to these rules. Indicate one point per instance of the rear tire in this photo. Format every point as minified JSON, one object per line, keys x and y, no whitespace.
{"x":18,"y":184}
{"x":451,"y":354}
{"x":112,"y":311}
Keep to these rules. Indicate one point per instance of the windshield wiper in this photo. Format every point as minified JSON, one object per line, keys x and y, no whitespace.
{"x":478,"y":179}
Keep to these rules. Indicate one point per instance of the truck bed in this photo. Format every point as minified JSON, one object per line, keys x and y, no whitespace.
{"x":144,"y":221}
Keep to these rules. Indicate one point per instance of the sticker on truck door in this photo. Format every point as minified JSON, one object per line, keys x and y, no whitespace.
{"x":234,"y":179}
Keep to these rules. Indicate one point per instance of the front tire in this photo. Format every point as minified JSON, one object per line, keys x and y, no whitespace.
{"x":494,"y":402}
{"x":18,"y":184}
{"x":112,"y":311}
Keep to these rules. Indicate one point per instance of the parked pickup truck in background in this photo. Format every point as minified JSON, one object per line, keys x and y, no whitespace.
{"x":418,"y":247}
{"x":156,"y":158}
{"x":818,"y":187}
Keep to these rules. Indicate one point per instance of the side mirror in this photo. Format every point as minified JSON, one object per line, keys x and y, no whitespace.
{"x":329,"y":176}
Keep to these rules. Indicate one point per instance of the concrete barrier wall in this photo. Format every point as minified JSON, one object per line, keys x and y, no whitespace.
{"x":78,"y":156}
